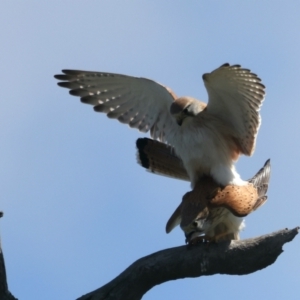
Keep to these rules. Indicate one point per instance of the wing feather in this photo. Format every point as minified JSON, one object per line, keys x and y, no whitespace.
{"x":139,"y":102}
{"x":235,"y":96}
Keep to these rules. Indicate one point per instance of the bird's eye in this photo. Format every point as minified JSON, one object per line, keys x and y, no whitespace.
{"x":195,"y":224}
{"x":186,"y":110}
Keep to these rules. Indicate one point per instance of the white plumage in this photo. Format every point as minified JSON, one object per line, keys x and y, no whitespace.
{"x":208,"y":138}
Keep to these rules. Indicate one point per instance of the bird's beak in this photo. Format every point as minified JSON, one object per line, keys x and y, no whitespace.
{"x":188,"y":236}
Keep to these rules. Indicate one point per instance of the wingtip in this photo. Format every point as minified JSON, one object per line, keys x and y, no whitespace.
{"x":64,"y":84}
{"x":225,"y":65}
{"x":174,"y":220}
{"x":267,"y":168}
{"x":268,"y":162}
{"x":168,"y":230}
{"x":170,"y":225}
{"x":70,"y":72}
{"x":206,"y":75}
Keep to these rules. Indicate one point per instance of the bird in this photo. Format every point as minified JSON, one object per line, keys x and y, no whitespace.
{"x":214,"y":213}
{"x":210,"y":210}
{"x":208,"y":138}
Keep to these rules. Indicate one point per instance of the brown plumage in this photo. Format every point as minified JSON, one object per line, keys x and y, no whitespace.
{"x":208,"y":200}
{"x":215,"y":212}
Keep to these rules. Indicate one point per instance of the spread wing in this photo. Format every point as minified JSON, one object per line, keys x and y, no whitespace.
{"x":235,"y":96}
{"x":139,"y":102}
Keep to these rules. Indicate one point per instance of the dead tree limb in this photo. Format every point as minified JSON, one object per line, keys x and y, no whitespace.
{"x":4,"y":292}
{"x":233,"y":258}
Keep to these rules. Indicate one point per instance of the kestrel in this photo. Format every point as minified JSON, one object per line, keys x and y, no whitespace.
{"x":215,"y":213}
{"x":208,"y":138}
{"x":210,"y":210}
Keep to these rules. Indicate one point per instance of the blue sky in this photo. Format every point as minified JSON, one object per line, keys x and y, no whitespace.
{"x":78,"y":208}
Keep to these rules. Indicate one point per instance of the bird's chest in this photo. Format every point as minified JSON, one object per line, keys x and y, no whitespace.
{"x":200,"y":148}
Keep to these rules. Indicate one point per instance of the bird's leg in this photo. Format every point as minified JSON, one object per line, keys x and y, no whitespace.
{"x":196,"y":240}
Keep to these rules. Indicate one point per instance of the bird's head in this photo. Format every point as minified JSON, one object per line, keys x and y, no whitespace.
{"x":185,"y":107}
{"x":195,"y":228}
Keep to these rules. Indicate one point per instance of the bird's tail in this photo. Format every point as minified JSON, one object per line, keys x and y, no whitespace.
{"x":160,"y":159}
{"x":261,"y":181}
{"x":244,"y":199}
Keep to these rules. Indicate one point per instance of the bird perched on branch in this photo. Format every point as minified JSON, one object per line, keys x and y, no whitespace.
{"x":208,"y":138}
{"x":216,"y":213}
{"x":211,"y":211}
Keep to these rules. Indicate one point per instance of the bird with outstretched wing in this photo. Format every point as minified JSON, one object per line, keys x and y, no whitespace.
{"x":191,"y":140}
{"x":211,"y":211}
{"x":208,"y":138}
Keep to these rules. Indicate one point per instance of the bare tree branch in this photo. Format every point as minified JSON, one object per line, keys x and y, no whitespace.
{"x":233,"y":258}
{"x":4,"y":292}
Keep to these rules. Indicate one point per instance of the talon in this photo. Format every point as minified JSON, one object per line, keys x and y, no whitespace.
{"x":197,"y":240}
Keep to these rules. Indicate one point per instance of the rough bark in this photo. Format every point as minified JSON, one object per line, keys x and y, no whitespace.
{"x":233,"y":258}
